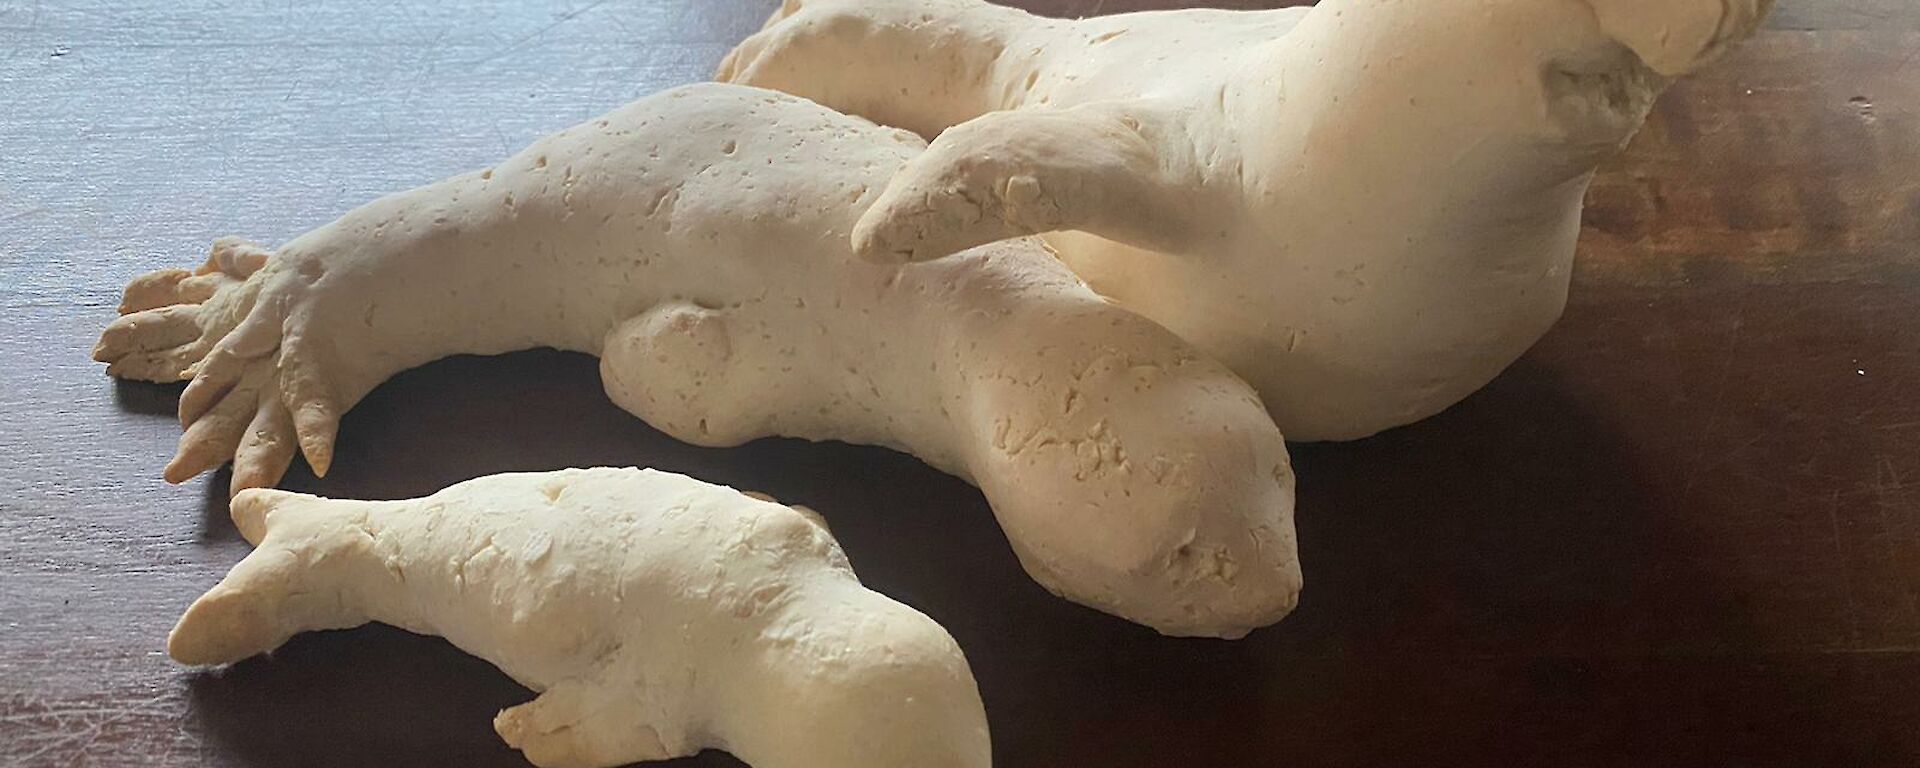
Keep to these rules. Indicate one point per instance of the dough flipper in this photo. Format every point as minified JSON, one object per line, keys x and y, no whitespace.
{"x":582,"y":724}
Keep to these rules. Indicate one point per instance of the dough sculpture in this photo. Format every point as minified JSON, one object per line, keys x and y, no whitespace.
{"x":656,"y":614}
{"x":698,"y":242}
{"x":1367,"y":209}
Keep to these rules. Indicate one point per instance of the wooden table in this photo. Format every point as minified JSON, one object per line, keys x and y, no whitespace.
{"x":1684,"y":530}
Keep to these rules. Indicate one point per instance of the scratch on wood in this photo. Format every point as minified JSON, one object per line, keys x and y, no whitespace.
{"x":17,"y":215}
{"x":529,"y":37}
{"x":1840,"y":553}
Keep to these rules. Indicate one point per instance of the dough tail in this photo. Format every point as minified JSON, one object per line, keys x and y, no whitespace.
{"x":270,"y":596}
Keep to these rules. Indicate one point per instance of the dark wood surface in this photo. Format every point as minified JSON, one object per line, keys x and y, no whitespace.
{"x":1684,"y":530}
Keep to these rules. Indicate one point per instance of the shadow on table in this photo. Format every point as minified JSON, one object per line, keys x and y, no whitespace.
{"x":146,"y":399}
{"x":366,"y":697}
{"x":1508,"y":582}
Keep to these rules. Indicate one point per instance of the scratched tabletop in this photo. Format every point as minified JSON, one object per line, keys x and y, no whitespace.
{"x":1683,"y":530}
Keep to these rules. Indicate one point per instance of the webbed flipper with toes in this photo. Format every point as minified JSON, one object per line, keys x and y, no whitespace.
{"x":170,"y":318}
{"x":256,"y":394}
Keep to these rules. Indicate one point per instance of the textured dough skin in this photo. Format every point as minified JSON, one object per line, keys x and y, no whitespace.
{"x":698,"y":241}
{"x":1368,"y":209}
{"x":656,"y":614}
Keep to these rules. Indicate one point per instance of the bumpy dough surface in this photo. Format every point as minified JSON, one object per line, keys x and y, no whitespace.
{"x":698,"y":242}
{"x":656,"y":615}
{"x":1367,"y":208}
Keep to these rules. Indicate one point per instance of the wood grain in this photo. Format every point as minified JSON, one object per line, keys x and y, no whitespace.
{"x":1679,"y":532}
{"x":1795,"y":160}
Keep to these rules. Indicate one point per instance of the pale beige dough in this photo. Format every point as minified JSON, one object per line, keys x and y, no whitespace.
{"x":698,"y":242}
{"x":1367,"y":208}
{"x":656,"y":615}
